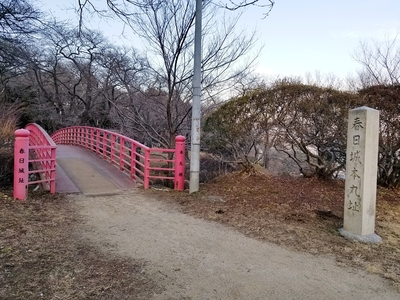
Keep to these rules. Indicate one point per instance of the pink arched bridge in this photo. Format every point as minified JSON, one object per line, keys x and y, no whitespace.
{"x":91,"y":160}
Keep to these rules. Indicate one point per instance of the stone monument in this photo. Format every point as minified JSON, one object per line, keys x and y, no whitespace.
{"x":361,"y":175}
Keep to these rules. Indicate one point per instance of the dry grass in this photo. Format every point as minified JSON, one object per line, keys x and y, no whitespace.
{"x":8,"y":125}
{"x":41,"y":258}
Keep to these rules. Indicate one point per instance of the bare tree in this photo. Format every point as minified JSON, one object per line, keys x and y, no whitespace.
{"x":380,"y":62}
{"x":76,"y":78}
{"x":18,"y":20}
{"x":233,"y":5}
{"x":123,"y":8}
{"x":18,"y":17}
{"x":167,"y":31}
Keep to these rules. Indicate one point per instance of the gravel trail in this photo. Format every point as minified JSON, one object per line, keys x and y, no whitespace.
{"x":197,"y":259}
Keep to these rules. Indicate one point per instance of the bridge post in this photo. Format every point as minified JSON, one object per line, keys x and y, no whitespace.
{"x":146,"y":176}
{"x":92,"y":139}
{"x":71,"y":136}
{"x":113,"y":142}
{"x":21,"y":165}
{"x":86,"y":137}
{"x":105,"y":145}
{"x":179,"y":163}
{"x":121,"y":153}
{"x":97,"y":141}
{"x":133,"y":160}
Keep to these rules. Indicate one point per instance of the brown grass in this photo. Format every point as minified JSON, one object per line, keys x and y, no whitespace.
{"x":41,"y":258}
{"x":8,"y":125}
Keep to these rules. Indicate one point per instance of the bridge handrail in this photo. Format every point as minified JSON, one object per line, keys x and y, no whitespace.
{"x":33,"y":146}
{"x":130,"y":156}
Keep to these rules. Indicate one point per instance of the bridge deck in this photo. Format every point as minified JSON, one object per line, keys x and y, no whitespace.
{"x":81,"y":171}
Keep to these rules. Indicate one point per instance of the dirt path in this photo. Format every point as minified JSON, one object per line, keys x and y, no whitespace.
{"x":195,"y":259}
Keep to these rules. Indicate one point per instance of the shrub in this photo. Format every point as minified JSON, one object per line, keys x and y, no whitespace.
{"x":386,"y":99}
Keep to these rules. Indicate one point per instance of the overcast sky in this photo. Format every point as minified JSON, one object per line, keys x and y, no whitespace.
{"x":301,"y":36}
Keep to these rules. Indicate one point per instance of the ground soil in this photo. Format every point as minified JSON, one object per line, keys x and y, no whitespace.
{"x":240,"y":237}
{"x":42,"y":258}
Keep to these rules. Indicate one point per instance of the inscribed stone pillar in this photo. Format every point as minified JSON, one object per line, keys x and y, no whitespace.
{"x":361,"y":175}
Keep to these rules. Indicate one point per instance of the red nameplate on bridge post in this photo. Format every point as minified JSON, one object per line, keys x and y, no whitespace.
{"x":180,"y":163}
{"x":21,"y":165}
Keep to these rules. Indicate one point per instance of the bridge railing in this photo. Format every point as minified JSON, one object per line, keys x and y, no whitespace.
{"x":138,"y":161}
{"x":34,"y":160}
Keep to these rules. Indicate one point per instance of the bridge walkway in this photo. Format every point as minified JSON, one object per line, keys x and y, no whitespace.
{"x":82,"y":171}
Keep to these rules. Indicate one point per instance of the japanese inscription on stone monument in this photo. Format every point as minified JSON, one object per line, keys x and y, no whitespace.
{"x":353,"y":191}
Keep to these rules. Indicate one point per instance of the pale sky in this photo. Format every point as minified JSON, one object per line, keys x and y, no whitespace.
{"x":321,"y":35}
{"x":301,"y":36}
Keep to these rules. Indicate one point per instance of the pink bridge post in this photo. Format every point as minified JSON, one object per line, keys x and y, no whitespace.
{"x":180,"y":163}
{"x":21,"y":167}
